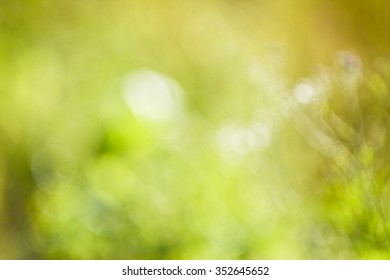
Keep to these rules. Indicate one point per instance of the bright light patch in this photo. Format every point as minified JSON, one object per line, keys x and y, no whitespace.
{"x":236,"y":139}
{"x":153,"y":96}
{"x":304,"y":93}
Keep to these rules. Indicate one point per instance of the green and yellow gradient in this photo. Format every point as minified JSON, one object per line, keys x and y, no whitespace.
{"x":189,"y":129}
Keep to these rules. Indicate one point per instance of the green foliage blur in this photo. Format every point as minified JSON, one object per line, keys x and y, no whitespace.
{"x":184,"y":129}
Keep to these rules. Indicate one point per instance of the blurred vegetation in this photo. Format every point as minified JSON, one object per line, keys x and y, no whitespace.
{"x":183,"y":129}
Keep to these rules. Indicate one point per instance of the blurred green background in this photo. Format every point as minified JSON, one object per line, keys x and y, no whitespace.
{"x":185,"y":129}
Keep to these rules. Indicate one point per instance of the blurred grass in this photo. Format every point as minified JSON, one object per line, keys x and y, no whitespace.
{"x":194,"y":130}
